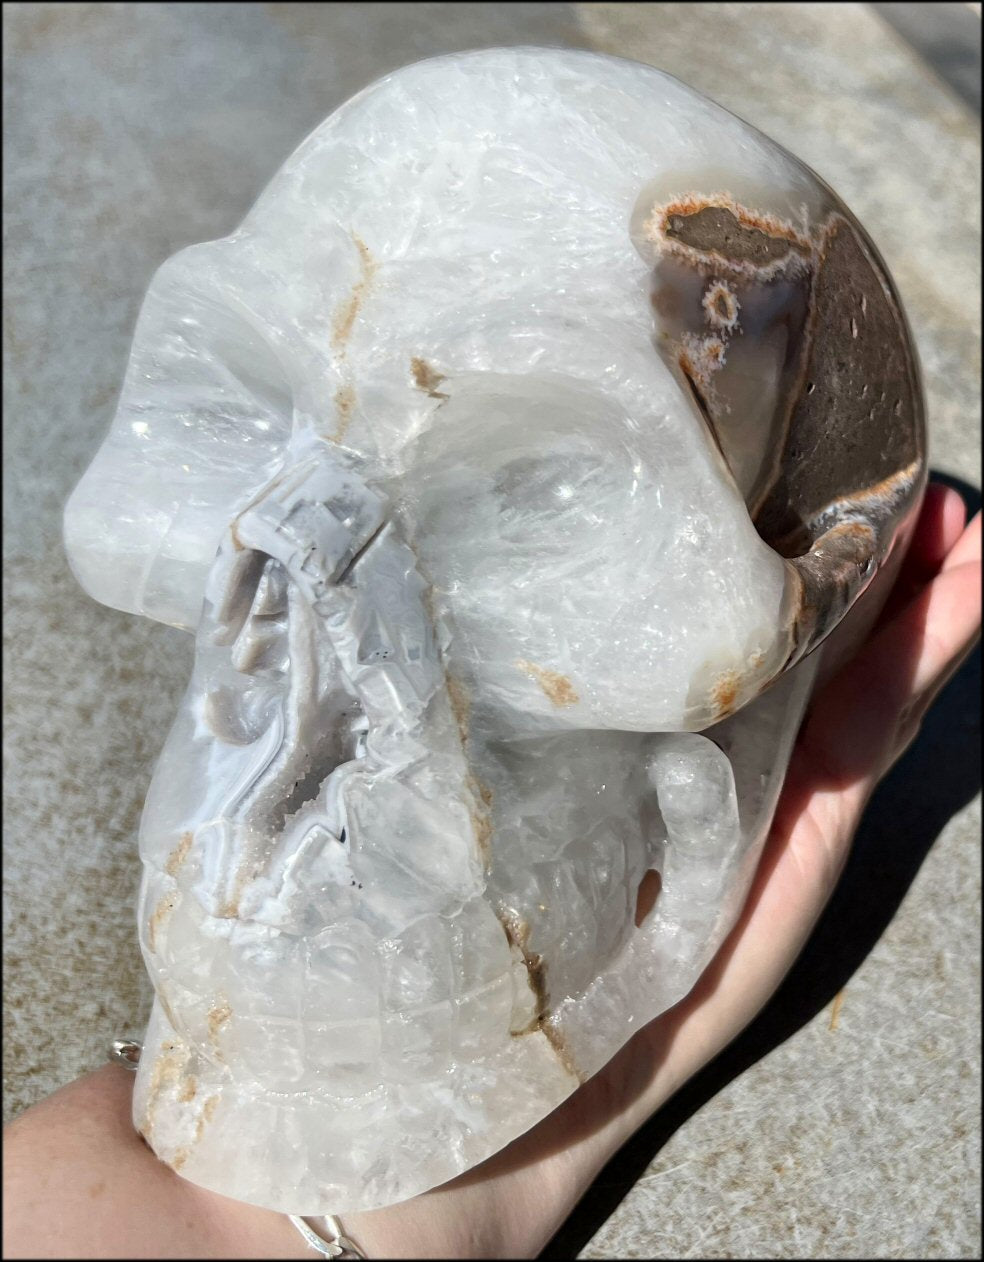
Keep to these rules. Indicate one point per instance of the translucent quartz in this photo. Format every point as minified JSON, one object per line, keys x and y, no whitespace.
{"x":506,"y":461}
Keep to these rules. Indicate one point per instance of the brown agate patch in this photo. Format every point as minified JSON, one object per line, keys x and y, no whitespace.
{"x":731,"y":233}
{"x":797,"y":356}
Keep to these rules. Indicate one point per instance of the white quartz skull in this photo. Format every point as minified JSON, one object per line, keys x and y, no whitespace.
{"x":539,"y":417}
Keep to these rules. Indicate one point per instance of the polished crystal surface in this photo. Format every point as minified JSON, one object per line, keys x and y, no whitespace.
{"x":508,"y":462}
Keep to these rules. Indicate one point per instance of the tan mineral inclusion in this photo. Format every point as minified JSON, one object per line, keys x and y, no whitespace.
{"x":508,"y":461}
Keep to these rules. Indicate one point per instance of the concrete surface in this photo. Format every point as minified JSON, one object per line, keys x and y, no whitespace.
{"x":948,"y":37}
{"x":132,"y":130}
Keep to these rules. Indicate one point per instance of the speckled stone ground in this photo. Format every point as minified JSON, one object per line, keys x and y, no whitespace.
{"x":844,"y":1123}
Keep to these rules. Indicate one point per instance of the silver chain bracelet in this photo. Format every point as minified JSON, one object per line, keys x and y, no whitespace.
{"x":336,"y":1245}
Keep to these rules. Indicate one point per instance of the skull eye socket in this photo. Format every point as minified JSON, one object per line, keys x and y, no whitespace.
{"x":535,"y":509}
{"x":520,"y":470}
{"x":540,"y":495}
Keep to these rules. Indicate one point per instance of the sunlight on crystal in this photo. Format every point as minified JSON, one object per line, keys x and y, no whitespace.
{"x":485,"y":629}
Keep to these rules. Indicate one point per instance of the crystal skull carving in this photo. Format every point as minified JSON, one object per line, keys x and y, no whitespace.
{"x":508,"y":461}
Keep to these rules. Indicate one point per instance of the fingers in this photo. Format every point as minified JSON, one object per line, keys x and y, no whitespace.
{"x":943,"y":620}
{"x":967,"y":548}
{"x":864,"y":719}
{"x":945,"y":616}
{"x":941,"y":522}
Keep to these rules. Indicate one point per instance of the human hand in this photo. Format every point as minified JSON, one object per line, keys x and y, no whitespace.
{"x":80,"y":1182}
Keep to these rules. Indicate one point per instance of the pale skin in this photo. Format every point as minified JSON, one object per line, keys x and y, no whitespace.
{"x":80,"y":1183}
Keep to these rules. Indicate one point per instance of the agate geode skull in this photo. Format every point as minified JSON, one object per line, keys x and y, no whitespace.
{"x":509,"y":461}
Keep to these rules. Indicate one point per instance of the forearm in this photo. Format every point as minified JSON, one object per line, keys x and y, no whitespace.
{"x":80,"y":1182}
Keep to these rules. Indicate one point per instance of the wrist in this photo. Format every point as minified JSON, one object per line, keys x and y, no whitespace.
{"x":512,"y":1204}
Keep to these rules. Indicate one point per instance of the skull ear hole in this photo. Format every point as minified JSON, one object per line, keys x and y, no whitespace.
{"x":646,"y":896}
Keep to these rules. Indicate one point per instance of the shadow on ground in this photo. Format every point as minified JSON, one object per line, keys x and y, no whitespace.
{"x":937,"y":777}
{"x":947,"y":37}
